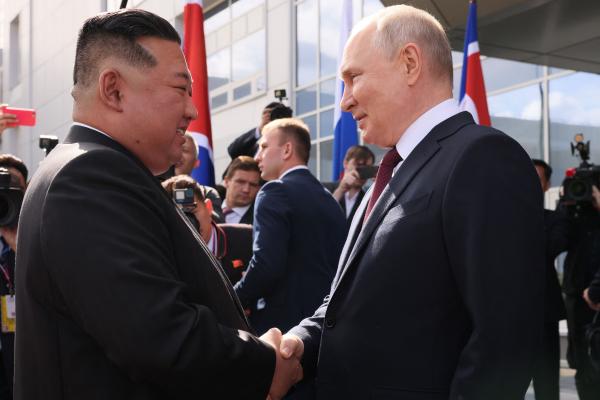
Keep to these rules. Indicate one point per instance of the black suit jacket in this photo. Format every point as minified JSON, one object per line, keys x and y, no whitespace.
{"x":118,"y":296}
{"x":248,"y":217}
{"x":244,"y":145}
{"x":439,"y":295}
{"x":556,"y":229}
{"x":298,"y":236}
{"x":234,"y":244}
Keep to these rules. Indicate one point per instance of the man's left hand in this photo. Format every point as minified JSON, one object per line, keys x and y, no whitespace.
{"x":592,"y":305}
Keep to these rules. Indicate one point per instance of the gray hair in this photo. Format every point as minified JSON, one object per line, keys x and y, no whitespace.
{"x":402,"y":24}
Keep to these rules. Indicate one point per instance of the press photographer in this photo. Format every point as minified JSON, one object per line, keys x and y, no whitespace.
{"x":231,"y":244}
{"x":13,"y":178}
{"x":580,"y":200}
{"x":247,"y":143}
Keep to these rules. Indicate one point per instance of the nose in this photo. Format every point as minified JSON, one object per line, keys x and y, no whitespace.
{"x":191,"y":111}
{"x":348,"y":100}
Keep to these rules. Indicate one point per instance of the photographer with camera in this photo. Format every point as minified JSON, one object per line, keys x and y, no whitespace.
{"x":13,"y":178}
{"x":348,"y":191}
{"x":591,"y":294}
{"x":231,"y":244}
{"x":580,"y":202}
{"x":247,"y":143}
{"x":547,"y":365}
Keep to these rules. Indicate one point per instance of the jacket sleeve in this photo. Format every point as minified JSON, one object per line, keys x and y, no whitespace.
{"x":272,"y":224}
{"x":492,"y":217}
{"x":108,"y":249}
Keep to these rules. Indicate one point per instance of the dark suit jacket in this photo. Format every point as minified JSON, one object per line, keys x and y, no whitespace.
{"x":118,"y":296}
{"x":298,"y":236}
{"x":248,"y":217}
{"x":439,"y":295}
{"x":234,"y":244}
{"x":556,"y":229}
{"x":244,"y":145}
{"x":7,"y":339}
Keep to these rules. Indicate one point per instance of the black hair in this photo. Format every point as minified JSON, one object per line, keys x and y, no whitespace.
{"x":8,"y":160}
{"x":115,"y":34}
{"x":547,"y":169}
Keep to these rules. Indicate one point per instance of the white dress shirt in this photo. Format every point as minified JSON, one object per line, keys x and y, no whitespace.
{"x":416,"y":132}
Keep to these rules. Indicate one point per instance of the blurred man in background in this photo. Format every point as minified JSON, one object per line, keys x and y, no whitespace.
{"x":17,"y":178}
{"x":547,"y":367}
{"x":242,"y":183}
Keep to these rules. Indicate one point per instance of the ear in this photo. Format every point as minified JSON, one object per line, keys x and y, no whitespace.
{"x":209,"y":205}
{"x":288,"y":150}
{"x":411,"y":61}
{"x":109,"y":89}
{"x":196,"y":163}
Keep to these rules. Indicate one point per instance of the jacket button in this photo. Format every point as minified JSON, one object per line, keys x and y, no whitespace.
{"x":329,"y":323}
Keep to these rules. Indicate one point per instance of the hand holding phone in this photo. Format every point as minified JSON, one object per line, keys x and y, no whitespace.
{"x":367,"y":171}
{"x":17,"y":116}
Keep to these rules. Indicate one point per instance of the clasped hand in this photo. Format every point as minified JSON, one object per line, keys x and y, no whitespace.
{"x":288,"y":371}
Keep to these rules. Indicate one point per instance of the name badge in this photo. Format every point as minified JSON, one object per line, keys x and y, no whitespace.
{"x":9,"y":313}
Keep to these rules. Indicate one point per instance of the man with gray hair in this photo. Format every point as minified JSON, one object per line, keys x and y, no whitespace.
{"x":438,"y":291}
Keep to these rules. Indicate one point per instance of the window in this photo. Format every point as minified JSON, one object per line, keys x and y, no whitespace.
{"x":574,"y":108}
{"x":14,"y":68}
{"x":236,"y":50}
{"x":518,"y":113}
{"x":317,"y":41}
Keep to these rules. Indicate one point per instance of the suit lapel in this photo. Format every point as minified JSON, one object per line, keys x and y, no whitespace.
{"x":401,"y":179}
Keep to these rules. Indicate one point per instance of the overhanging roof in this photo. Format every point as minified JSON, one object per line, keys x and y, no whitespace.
{"x":558,"y":33}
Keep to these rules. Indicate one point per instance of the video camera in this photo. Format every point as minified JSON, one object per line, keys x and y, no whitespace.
{"x":11,"y":198}
{"x":184,"y":198}
{"x":280,"y":110}
{"x":577,"y":186}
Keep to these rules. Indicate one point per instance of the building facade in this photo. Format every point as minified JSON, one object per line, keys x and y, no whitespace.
{"x":257,"y":46}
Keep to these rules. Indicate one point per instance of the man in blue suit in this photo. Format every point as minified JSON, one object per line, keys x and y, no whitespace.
{"x":298,"y":233}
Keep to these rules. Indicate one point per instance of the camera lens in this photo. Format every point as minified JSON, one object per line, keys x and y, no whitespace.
{"x":579,"y":190}
{"x":7,"y":210}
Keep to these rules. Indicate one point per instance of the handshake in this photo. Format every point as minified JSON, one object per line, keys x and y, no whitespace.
{"x":288,"y":371}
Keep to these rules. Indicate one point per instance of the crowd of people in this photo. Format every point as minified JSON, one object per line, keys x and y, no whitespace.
{"x":134,"y":281}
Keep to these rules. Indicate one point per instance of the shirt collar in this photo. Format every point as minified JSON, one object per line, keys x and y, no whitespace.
{"x":293,"y":169}
{"x":238,"y":210}
{"x":94,"y":129}
{"x":417,"y":131}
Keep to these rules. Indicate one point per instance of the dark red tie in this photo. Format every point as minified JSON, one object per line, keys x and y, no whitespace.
{"x":384,"y":174}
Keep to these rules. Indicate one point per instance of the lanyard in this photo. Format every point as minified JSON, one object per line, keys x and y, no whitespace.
{"x":9,"y":285}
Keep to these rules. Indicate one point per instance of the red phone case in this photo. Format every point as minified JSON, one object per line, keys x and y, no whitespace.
{"x":26,"y":116}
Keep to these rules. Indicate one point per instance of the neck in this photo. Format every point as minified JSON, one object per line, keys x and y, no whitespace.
{"x":289,"y":165}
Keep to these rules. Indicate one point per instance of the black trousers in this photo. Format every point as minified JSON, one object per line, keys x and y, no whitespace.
{"x":587,"y":378}
{"x":547,"y":366}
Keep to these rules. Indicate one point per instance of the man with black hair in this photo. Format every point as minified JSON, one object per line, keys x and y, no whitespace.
{"x":118,"y":296}
{"x":247,"y":143}
{"x":8,"y":239}
{"x":547,"y":366}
